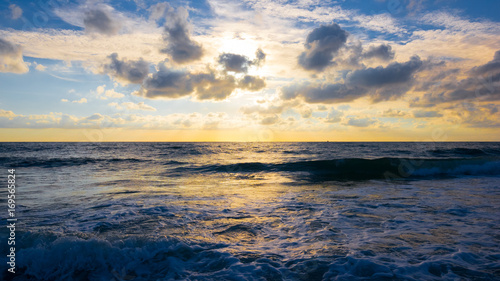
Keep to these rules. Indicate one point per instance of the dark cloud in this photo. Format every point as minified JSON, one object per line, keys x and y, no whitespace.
{"x":126,"y":71}
{"x":240,"y":64}
{"x":100,"y":21}
{"x":260,"y":57}
{"x":325,"y":93}
{"x":394,"y":73}
{"x":167,"y":83}
{"x":426,"y":114}
{"x":380,"y":83}
{"x":177,"y":36}
{"x":483,"y":84}
{"x":252,"y":83}
{"x":382,"y":52}
{"x":321,"y":46}
{"x":490,"y":67}
{"x":7,"y":48}
{"x":234,"y":62}
{"x":11,"y":58}
{"x":437,"y":79}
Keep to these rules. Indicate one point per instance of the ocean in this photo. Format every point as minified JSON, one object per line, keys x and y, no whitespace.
{"x":252,"y":211}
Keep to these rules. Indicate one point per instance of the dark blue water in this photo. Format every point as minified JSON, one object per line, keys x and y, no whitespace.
{"x":255,"y":211}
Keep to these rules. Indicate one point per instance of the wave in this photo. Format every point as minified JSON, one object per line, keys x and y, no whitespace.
{"x":64,"y":162}
{"x":81,"y":256}
{"x":460,"y":152}
{"x":359,"y":169}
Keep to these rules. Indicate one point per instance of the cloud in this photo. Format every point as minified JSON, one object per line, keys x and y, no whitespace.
{"x":386,"y":83}
{"x":323,"y":93}
{"x":158,"y":10}
{"x":382,"y":52}
{"x":361,"y":122}
{"x":15,"y":11}
{"x":489,"y":68}
{"x":318,"y":11}
{"x":455,"y":23}
{"x":415,"y":6}
{"x":40,"y":67}
{"x":111,"y":94}
{"x":321,"y":46}
{"x":334,"y":116}
{"x":11,"y":58}
{"x":260,"y":57}
{"x":105,"y":94}
{"x":394,"y":73}
{"x":210,"y":87}
{"x":94,"y":117}
{"x":239,"y":63}
{"x":82,"y":100}
{"x":176,"y":34}
{"x":133,"y":106}
{"x":394,"y":113}
{"x":271,"y":109}
{"x":9,"y":119}
{"x":426,"y":114}
{"x":166,"y":83}
{"x":99,"y":20}
{"x":270,"y":120}
{"x":380,"y":84}
{"x":252,"y":83}
{"x":171,"y":83}
{"x":126,"y":71}
{"x":482,"y":84}
{"x":234,"y":62}
{"x":474,"y":115}
{"x":7,"y":114}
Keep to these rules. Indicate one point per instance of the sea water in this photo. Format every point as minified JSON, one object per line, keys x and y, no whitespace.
{"x":253,"y":211}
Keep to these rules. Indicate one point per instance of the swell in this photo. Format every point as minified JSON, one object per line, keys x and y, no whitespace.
{"x":358,"y":169}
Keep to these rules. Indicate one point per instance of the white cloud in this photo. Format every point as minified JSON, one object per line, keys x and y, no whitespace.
{"x":453,"y":22}
{"x":132,"y":106}
{"x":40,"y":67}
{"x":112,"y":94}
{"x":72,"y":45}
{"x":9,"y":119}
{"x":8,"y":114}
{"x":82,"y":100}
{"x":105,"y":94}
{"x":64,"y":100}
{"x":100,"y":89}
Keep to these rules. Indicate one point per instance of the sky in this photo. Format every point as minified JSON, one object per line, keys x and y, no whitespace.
{"x":250,"y":70}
